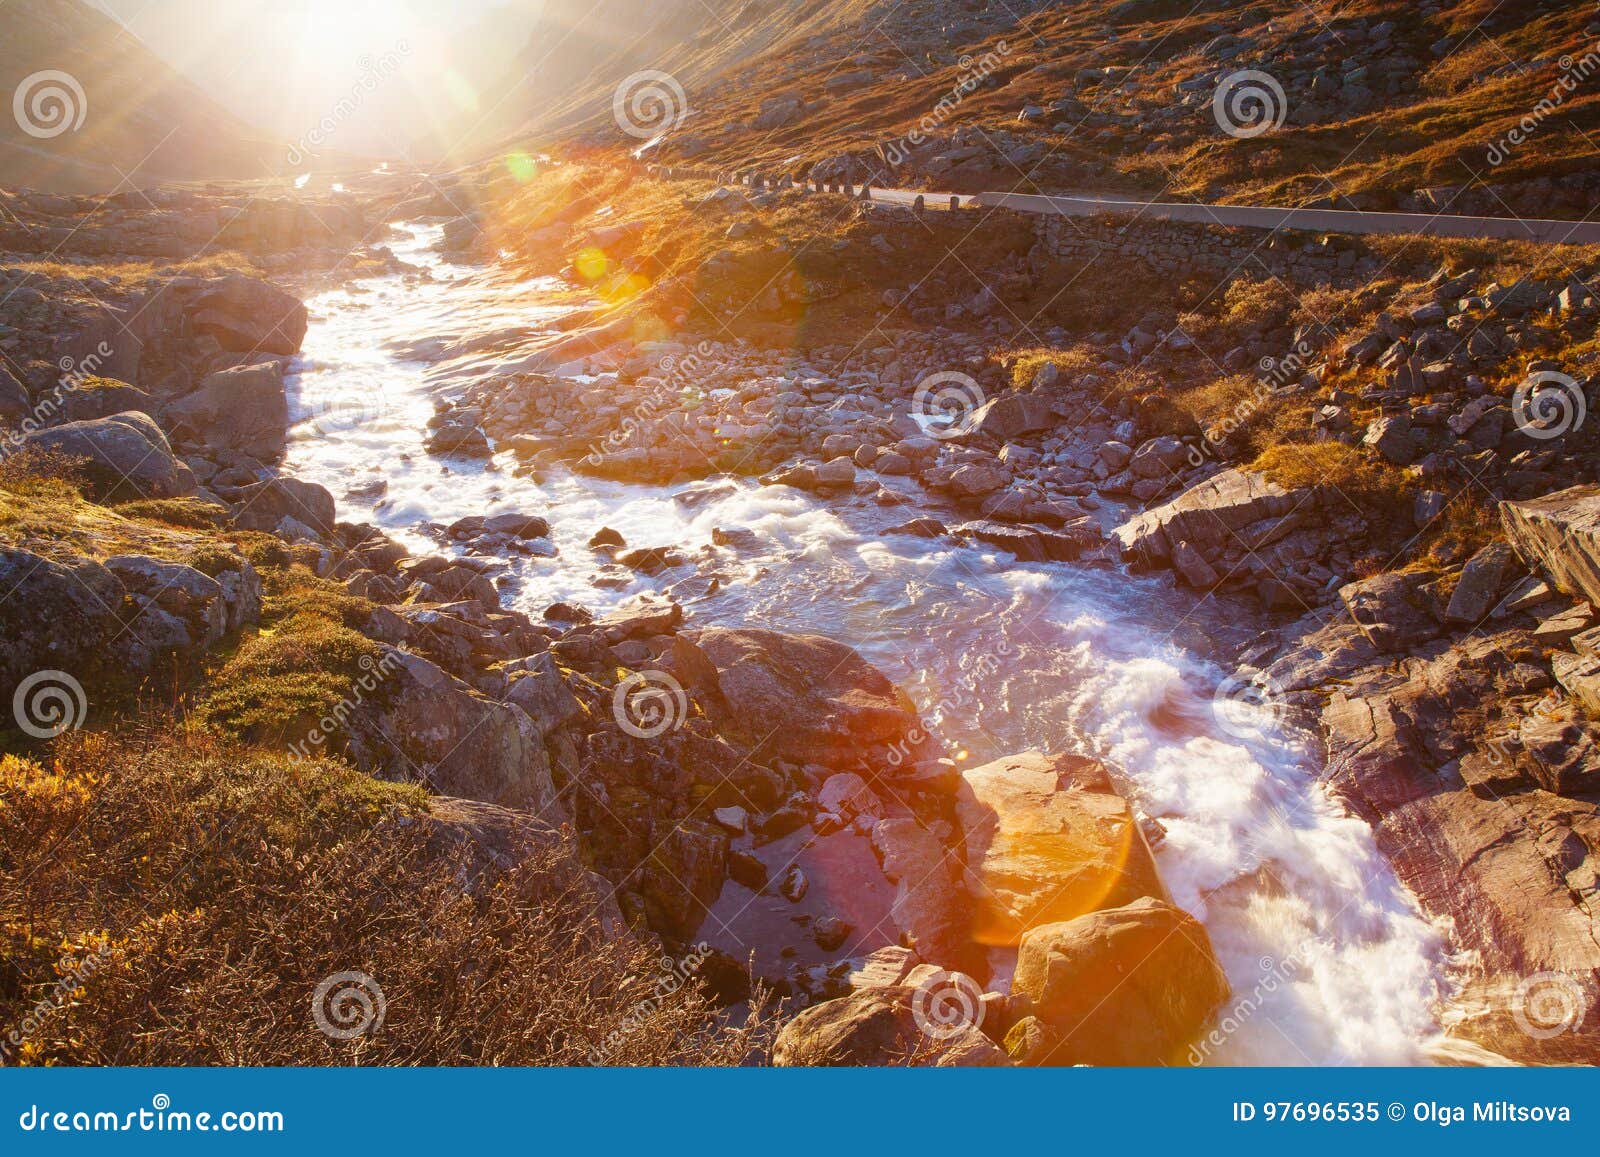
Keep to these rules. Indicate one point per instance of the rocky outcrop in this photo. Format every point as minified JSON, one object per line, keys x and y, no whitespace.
{"x":805,"y":698}
{"x":123,"y":456}
{"x":1231,"y":506}
{"x":248,"y":316}
{"x":429,"y":726}
{"x":243,"y":409}
{"x":1559,"y":535}
{"x":1048,"y":839}
{"x":112,"y":625}
{"x":1127,"y":986}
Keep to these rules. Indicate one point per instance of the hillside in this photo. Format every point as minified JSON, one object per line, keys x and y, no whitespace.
{"x":138,"y":122}
{"x":1379,"y":103}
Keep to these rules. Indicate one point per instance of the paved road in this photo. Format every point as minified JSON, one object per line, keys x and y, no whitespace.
{"x":1541,"y":230}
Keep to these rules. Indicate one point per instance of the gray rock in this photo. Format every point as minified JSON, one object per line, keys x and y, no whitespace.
{"x":124,"y":456}
{"x":243,"y":409}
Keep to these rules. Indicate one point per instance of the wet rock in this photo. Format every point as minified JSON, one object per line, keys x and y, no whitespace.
{"x":803,"y":698}
{"x":1032,"y":543}
{"x":1511,"y":871}
{"x":642,"y":621}
{"x":1127,"y":986}
{"x":1048,"y":839}
{"x":920,"y":527}
{"x":606,"y":537}
{"x":650,"y":559}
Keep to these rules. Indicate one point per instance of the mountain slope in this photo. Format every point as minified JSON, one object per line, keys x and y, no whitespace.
{"x":1475,"y":106}
{"x":137,"y":121}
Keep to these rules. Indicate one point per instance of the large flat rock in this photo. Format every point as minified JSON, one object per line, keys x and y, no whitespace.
{"x":1559,"y":534}
{"x":1209,"y":514}
{"x":803,"y":698}
{"x":1048,"y":839}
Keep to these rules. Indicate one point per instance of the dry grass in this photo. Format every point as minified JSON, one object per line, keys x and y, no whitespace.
{"x":193,"y":895}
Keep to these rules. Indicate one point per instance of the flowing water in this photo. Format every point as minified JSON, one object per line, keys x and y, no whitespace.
{"x":1329,"y":959}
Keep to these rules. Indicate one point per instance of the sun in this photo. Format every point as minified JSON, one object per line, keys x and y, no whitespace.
{"x":335,"y":37}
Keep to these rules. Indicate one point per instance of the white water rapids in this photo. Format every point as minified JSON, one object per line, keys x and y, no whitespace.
{"x":1329,"y":959}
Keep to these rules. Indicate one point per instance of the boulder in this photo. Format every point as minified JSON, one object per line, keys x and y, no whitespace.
{"x":195,"y":599}
{"x":60,"y":616}
{"x":1159,"y":458}
{"x":264,"y":505}
{"x":1209,"y":515}
{"x":249,"y":316}
{"x":1483,"y":578}
{"x":879,"y":1026}
{"x":15,"y":404}
{"x":101,"y":398}
{"x":426,"y":724}
{"x":804,"y":698}
{"x":1126,"y":986}
{"x":931,"y":908}
{"x":123,"y":456}
{"x":1048,"y":839}
{"x":243,"y":409}
{"x":1391,"y":437}
{"x":1559,"y":535}
{"x":1033,"y":543}
{"x":1012,"y":416}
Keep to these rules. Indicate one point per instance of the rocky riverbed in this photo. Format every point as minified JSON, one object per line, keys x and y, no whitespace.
{"x":883,"y":692}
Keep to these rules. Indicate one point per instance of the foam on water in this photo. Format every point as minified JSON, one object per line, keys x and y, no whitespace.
{"x":1329,"y":960}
